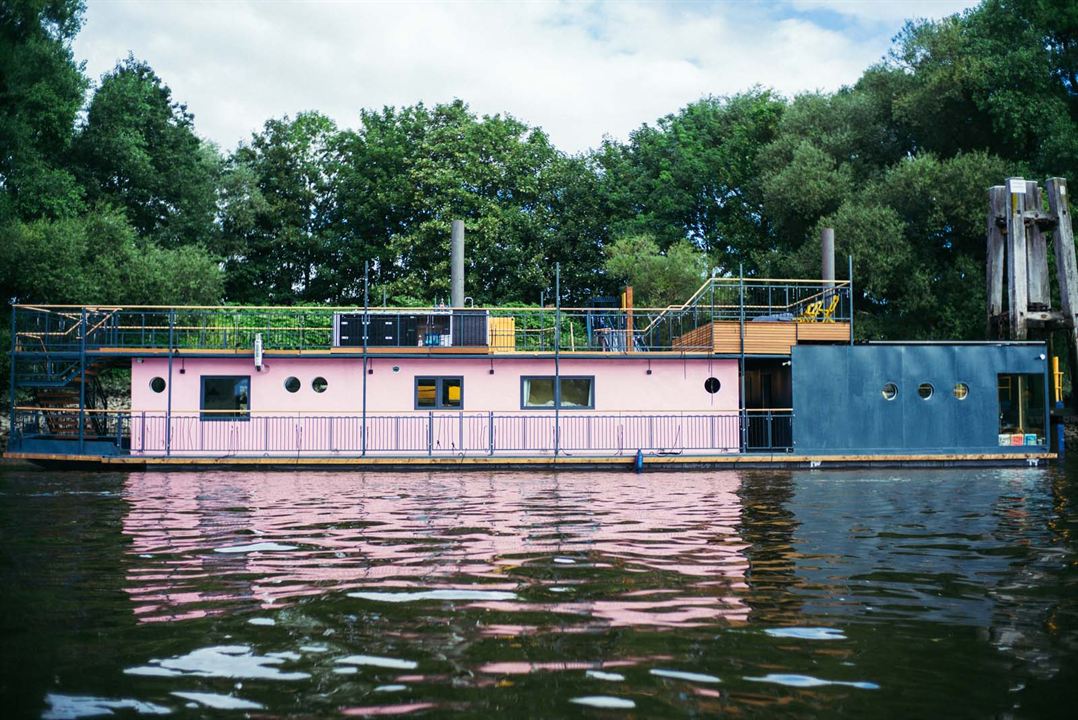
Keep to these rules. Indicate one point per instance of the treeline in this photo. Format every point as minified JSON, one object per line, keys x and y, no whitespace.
{"x":110,"y":196}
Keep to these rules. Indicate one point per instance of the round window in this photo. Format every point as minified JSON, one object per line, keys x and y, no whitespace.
{"x":292,"y":384}
{"x":925,"y":390}
{"x":319,"y":384}
{"x":712,"y":385}
{"x":961,"y":391}
{"x":157,"y":384}
{"x":890,"y":391}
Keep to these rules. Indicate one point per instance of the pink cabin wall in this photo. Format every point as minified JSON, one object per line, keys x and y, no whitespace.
{"x":668,"y":410}
{"x":621,"y":384}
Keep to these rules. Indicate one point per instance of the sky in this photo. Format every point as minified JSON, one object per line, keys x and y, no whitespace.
{"x":582,"y":71}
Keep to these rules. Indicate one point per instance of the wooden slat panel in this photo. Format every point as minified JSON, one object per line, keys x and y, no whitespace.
{"x":763,"y":338}
{"x":502,"y":334}
{"x":839,"y":332}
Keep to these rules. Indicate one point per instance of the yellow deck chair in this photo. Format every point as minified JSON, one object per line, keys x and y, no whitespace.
{"x":829,"y":311}
{"x":812,"y":310}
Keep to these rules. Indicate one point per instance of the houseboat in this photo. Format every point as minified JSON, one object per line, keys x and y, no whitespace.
{"x":746,"y":371}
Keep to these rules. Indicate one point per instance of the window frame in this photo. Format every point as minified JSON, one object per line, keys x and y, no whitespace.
{"x":557,"y":392}
{"x":438,"y":381}
{"x":217,"y":416}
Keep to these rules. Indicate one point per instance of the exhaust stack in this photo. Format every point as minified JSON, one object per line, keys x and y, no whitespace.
{"x":457,"y":265}
{"x":827,"y":252}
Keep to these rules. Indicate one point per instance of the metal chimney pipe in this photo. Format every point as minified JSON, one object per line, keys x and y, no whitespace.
{"x":457,"y":264}
{"x":827,"y":252}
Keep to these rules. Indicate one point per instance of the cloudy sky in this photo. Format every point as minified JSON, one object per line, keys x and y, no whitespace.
{"x":580,"y":70}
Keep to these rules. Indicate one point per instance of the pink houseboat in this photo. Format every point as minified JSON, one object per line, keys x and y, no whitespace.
{"x":746,"y":371}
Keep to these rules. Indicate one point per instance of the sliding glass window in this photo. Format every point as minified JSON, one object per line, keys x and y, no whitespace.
{"x":226,"y":397}
{"x":439,"y":393}
{"x":574,"y":393}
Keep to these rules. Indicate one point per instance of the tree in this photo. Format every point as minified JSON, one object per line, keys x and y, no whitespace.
{"x":138,"y":150}
{"x":406,"y":173}
{"x":98,"y":258}
{"x":695,"y":177}
{"x":998,"y":78}
{"x":658,"y":278}
{"x":276,"y":200}
{"x":41,"y":91}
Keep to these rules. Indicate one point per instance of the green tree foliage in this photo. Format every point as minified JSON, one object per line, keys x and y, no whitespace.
{"x":997,"y":78}
{"x":276,"y":199}
{"x":307,"y":205}
{"x":41,"y":91}
{"x":695,"y":177}
{"x":407,"y":173}
{"x":658,"y":278}
{"x":138,"y":150}
{"x":97,"y":257}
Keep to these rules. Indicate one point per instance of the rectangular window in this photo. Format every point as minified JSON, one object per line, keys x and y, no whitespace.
{"x":439,"y":393}
{"x":1021,"y":409}
{"x":574,"y":393}
{"x":226,"y":397}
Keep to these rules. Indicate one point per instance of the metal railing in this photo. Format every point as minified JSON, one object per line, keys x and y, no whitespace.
{"x":53,"y":328}
{"x":435,"y":433}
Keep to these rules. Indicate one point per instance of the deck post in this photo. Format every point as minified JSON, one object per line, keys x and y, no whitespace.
{"x":490,"y":432}
{"x":557,"y":357}
{"x":849,"y":290}
{"x":168,"y":405}
{"x":741,"y":358}
{"x":11,"y":397}
{"x":82,"y":381}
{"x":366,"y":325}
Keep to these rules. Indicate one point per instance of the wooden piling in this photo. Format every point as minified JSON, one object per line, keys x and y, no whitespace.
{"x":1040,"y":289}
{"x":1018,"y":278}
{"x":1066,"y":270}
{"x":995,"y":254}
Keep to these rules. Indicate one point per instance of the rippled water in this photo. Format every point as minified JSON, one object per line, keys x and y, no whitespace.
{"x":860,"y":594}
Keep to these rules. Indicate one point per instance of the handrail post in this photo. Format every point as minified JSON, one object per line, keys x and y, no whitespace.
{"x":430,"y":432}
{"x":557,"y":352}
{"x":11,"y":398}
{"x":168,"y":406}
{"x":82,"y":382}
{"x":741,"y":358}
{"x":849,"y":291}
{"x":366,"y":324}
{"x":490,"y":439}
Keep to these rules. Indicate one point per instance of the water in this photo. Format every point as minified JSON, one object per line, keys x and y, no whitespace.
{"x":879,"y":593}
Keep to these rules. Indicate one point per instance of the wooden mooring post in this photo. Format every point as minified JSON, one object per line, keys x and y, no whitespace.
{"x":1017,"y":259}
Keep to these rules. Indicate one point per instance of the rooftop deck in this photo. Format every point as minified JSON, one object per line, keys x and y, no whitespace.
{"x":725,"y":316}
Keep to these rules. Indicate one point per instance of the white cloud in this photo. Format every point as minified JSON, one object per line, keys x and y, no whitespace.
{"x":578,"y":70}
{"x":887,"y":11}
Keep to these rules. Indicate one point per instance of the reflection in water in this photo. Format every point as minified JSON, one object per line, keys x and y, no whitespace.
{"x":527,"y":546}
{"x":817,"y":594}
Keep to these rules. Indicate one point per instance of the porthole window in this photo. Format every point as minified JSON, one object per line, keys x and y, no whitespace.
{"x":961,"y":391}
{"x":712,"y":385}
{"x":157,"y":384}
{"x":292,"y":384}
{"x":890,"y":391}
{"x":319,"y":384}
{"x":925,"y":390}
